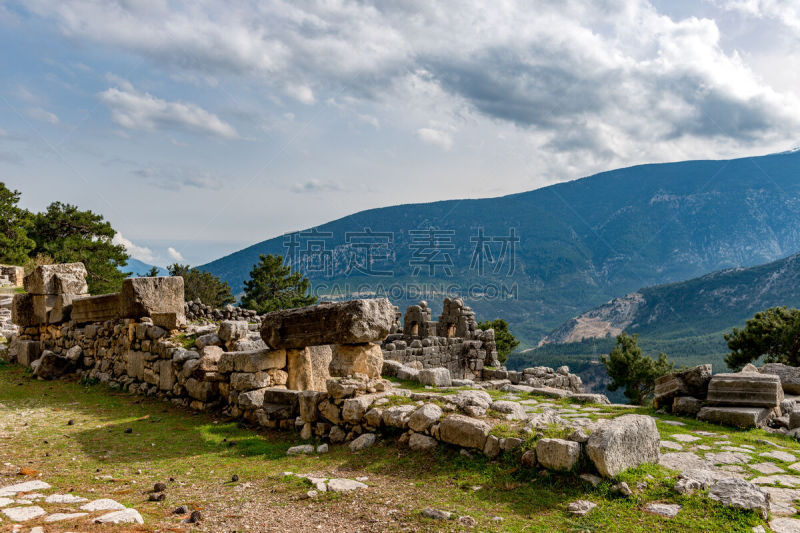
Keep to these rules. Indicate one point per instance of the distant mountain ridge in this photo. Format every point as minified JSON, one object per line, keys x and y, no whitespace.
{"x":581,"y":243}
{"x":138,"y":268}
{"x":714,"y":302}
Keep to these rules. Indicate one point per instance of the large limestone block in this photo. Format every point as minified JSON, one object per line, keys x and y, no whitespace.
{"x":625,"y":442}
{"x":252,"y":361}
{"x":558,"y":454}
{"x":166,"y":376}
{"x":464,"y":431}
{"x":134,"y":364}
{"x":691,"y":382}
{"x":746,"y":389}
{"x":22,"y":313}
{"x":740,"y":494}
{"x":95,"y":308}
{"x":789,"y":376}
{"x":436,"y":377}
{"x":233,"y":330}
{"x":300,"y":370}
{"x":53,"y":365}
{"x":65,"y":278}
{"x":143,"y":296}
{"x":27,"y":351}
{"x":42,"y":305}
{"x":320,"y":362}
{"x":742,"y":417}
{"x":61,"y":310}
{"x":349,"y":359}
{"x":351,"y":322}
{"x":203,"y":391}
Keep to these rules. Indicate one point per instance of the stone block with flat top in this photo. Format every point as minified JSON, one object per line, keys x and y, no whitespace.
{"x":745,"y":389}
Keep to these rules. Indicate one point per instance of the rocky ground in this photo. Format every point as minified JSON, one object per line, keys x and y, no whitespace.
{"x":81,"y":444}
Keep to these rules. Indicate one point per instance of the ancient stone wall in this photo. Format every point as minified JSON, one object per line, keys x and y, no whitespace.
{"x":11,"y":276}
{"x":454,"y":342}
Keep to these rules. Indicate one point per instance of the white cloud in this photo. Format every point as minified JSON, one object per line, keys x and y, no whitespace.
{"x":42,"y":115}
{"x":316,"y":186}
{"x":174,"y":254}
{"x":142,"y":111}
{"x":436,"y":137}
{"x":141,"y":253}
{"x":785,"y":11}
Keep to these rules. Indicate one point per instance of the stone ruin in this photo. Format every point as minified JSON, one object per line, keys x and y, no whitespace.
{"x":317,"y":370}
{"x":11,"y":276}
{"x":765,"y":397}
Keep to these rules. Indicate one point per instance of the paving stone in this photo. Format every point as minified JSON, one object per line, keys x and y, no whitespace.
{"x":59,"y":517}
{"x":783,"y":479}
{"x":785,"y":525}
{"x":728,"y":458}
{"x":672,"y":422}
{"x":767,"y":468}
{"x":23,"y":514}
{"x":683,"y":437}
{"x":779,"y":455}
{"x":65,"y":498}
{"x":26,"y":486}
{"x":103,"y":504}
{"x":671,"y":445}
{"x":6,"y":501}
{"x":663,"y":509}
{"x":125,"y":516}
{"x":781,"y":500}
{"x":344,"y":485}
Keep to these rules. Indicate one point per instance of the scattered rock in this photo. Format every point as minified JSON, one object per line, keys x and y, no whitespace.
{"x":103,"y":504}
{"x":363,"y":442}
{"x":622,"y":488}
{"x":580,"y":507}
{"x":344,"y":485}
{"x":183,"y":509}
{"x":420,"y":442}
{"x":558,"y":454}
{"x":625,"y":442}
{"x":157,"y":497}
{"x":668,"y":510}
{"x":64,"y":498}
{"x":436,"y":514}
{"x":23,"y":514}
{"x":740,"y":494}
{"x":301,"y":449}
{"x":125,"y":516}
{"x":60,"y":517}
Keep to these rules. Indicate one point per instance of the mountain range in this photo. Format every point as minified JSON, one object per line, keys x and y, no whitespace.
{"x":542,"y":257}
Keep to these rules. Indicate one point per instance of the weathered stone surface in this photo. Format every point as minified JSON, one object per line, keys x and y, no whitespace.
{"x":124,"y":516}
{"x":52,"y":365}
{"x":95,"y":308}
{"x":22,"y":313}
{"x":344,"y":485}
{"x":580,"y":507}
{"x":64,"y":278}
{"x":397,"y":416}
{"x":743,"y":417}
{"x":420,"y":442}
{"x":308,"y":401}
{"x":625,"y":442}
{"x":244,"y":381}
{"x":25,"y":486}
{"x":668,"y":510}
{"x":27,"y":351}
{"x":351,"y":359}
{"x":436,"y":377}
{"x":424,"y":417}
{"x":511,"y":410}
{"x":60,"y":517}
{"x":103,"y":504}
{"x":351,"y":322}
{"x":200,"y":390}
{"x":686,"y":405}
{"x":168,"y":321}
{"x":233,"y":330}
{"x":362,"y":442}
{"x":464,"y":431}
{"x":789,"y":376}
{"x":253,"y":399}
{"x":784,"y":525}
{"x":252,"y":361}
{"x":61,"y":309}
{"x":745,"y":389}
{"x":691,"y":382}
{"x":300,"y":369}
{"x":558,"y":454}
{"x":320,"y":362}
{"x":23,"y":514}
{"x":740,"y":494}
{"x":140,"y":297}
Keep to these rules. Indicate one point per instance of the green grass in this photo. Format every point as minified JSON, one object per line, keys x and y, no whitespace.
{"x":202,"y":451}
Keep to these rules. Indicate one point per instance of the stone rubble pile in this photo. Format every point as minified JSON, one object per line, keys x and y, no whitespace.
{"x":7,"y":327}
{"x":197,"y":311}
{"x":750,"y":398}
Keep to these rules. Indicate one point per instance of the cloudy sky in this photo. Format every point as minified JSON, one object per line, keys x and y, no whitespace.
{"x":200,"y":127}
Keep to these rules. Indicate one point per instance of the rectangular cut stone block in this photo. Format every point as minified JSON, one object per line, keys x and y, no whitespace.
{"x":95,"y":308}
{"x":15,"y":274}
{"x":169,"y":321}
{"x":282,"y":396}
{"x":252,"y":361}
{"x":22,"y":313}
{"x":789,"y":376}
{"x":351,"y":322}
{"x":42,"y":305}
{"x":61,"y":310}
{"x":141,"y":297}
{"x":746,"y":389}
{"x":28,"y":352}
{"x":65,"y":278}
{"x":743,"y":417}
{"x":134,"y":364}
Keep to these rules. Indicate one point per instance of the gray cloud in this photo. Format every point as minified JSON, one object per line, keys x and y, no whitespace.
{"x":174,"y":178}
{"x":313,"y":186}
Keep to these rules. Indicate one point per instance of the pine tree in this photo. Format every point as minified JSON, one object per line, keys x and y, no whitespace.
{"x":628,"y":367}
{"x":203,"y":286}
{"x":69,"y":235}
{"x":273,"y":286}
{"x":773,"y":333}
{"x":503,"y":338}
{"x":15,"y":245}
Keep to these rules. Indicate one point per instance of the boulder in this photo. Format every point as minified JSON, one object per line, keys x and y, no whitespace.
{"x":746,"y":389}
{"x":622,"y":443}
{"x":558,"y":454}
{"x":742,"y":417}
{"x":464,"y":431}
{"x":354,"y":409}
{"x":789,"y":376}
{"x":351,"y":322}
{"x":141,"y":297}
{"x":397,"y":416}
{"x":686,"y":405}
{"x":64,"y":278}
{"x":511,"y":410}
{"x":52,"y":365}
{"x":27,"y":351}
{"x":252,"y":361}
{"x":420,"y":442}
{"x":362,"y":442}
{"x":740,"y":494}
{"x":436,"y":377}
{"x":253,"y":399}
{"x":424,"y":417}
{"x":350,"y":359}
